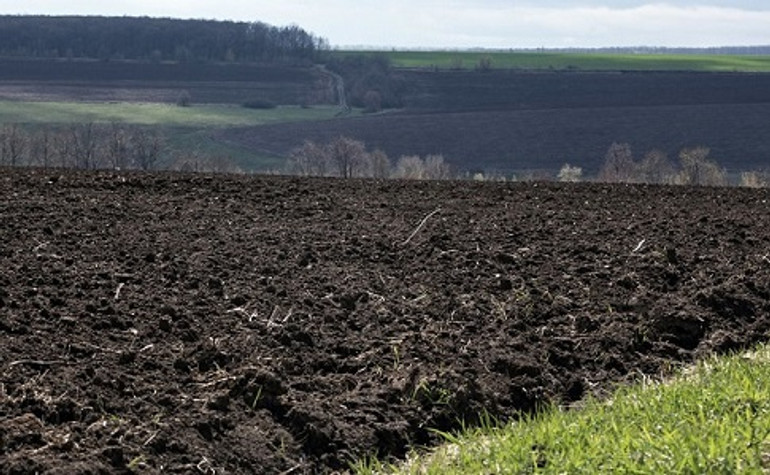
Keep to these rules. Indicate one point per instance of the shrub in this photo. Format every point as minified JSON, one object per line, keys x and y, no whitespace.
{"x":184,"y":99}
{"x":568,"y":173}
{"x":372,"y":102}
{"x":754,"y":179}
{"x":484,"y":64}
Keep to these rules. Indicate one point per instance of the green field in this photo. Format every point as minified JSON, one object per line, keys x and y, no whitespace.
{"x":185,"y":130}
{"x":714,"y":418}
{"x":22,"y":112}
{"x":573,"y":61}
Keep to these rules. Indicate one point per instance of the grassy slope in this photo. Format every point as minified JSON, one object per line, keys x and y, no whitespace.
{"x":154,"y":114}
{"x":714,"y":418}
{"x":586,"y":61}
{"x":186,"y":129}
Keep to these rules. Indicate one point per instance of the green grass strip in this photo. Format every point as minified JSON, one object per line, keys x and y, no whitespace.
{"x":712,"y":419}
{"x":575,"y":61}
{"x":23,"y":112}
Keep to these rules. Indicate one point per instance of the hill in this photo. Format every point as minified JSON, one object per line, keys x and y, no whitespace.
{"x":156,"y":39}
{"x":142,"y":81}
{"x":520,"y":122}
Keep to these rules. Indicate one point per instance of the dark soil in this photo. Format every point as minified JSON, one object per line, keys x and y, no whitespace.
{"x":517,"y":90}
{"x":183,"y":323}
{"x":526,"y":141}
{"x":131,"y":81}
{"x":525,"y":122}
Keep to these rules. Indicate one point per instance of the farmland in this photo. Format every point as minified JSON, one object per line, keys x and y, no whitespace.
{"x":131,"y":81}
{"x":155,"y":114}
{"x":517,"y":122}
{"x":502,"y":121}
{"x":181,"y":322}
{"x":469,"y":60}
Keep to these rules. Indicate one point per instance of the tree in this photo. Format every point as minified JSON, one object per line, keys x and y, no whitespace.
{"x":410,"y":167}
{"x":83,"y":141}
{"x":117,"y":147}
{"x":372,"y":102}
{"x":380,"y":164}
{"x":146,"y":149}
{"x":655,"y":167}
{"x":310,"y":159}
{"x":154,"y":39}
{"x":12,"y":145}
{"x":619,"y":166}
{"x":41,"y":147}
{"x":698,"y":169}
{"x":347,"y":156}
{"x":436,"y":168}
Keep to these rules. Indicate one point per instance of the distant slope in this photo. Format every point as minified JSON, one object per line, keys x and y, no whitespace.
{"x":518,"y":122}
{"x":141,"y":81}
{"x":521,"y":90}
{"x":154,"y":39}
{"x":588,"y":61}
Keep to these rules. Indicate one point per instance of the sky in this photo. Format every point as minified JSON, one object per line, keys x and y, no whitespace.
{"x":465,"y":23}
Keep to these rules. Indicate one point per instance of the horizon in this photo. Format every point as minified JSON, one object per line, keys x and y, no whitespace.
{"x":467,"y":24}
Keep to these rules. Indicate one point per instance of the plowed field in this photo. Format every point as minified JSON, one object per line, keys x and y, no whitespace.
{"x":187,"y":323}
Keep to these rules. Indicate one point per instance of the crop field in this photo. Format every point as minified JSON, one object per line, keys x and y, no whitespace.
{"x":179,"y":323}
{"x":517,"y":142}
{"x":185,"y":130}
{"x":511,"y":122}
{"x":166,"y":115}
{"x":163,"y":82}
{"x":573,"y":61}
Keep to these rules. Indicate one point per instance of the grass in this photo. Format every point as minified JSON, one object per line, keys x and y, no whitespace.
{"x":23,"y":112}
{"x":714,"y":418}
{"x":576,"y":61}
{"x":186,"y":130}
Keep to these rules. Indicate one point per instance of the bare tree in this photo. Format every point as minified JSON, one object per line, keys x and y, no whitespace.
{"x":410,"y":167}
{"x":698,"y":169}
{"x":118,"y":147}
{"x":146,"y":148}
{"x":83,"y":140}
{"x":436,"y":168}
{"x":310,"y":159}
{"x":655,"y":167}
{"x":41,"y":147}
{"x":13,"y":143}
{"x":347,"y":156}
{"x":619,"y":166}
{"x":380,"y":164}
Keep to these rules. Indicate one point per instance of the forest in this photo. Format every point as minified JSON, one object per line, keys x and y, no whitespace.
{"x":155,"y":39}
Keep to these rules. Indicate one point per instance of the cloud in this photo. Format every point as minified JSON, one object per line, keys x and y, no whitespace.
{"x":469,"y":23}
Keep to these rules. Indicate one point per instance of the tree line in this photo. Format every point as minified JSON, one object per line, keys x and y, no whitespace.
{"x":155,"y":39}
{"x":693,"y":167}
{"x":348,"y":158}
{"x":83,"y":146}
{"x":119,"y":146}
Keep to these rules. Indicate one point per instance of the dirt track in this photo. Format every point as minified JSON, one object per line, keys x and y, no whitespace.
{"x":182,"y":323}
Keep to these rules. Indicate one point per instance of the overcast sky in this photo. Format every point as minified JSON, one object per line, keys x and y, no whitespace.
{"x":465,"y":23}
